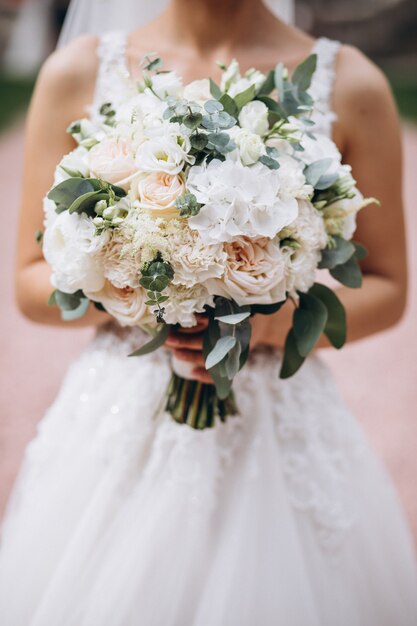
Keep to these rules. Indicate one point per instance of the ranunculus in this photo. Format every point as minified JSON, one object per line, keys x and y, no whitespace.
{"x":163,"y":154}
{"x":166,"y":84}
{"x":254,"y":117}
{"x":254,"y":272}
{"x":74,"y":252}
{"x":158,"y":191}
{"x":250,"y":145}
{"x":112,"y":160}
{"x":126,"y":305}
{"x":238,"y":200}
{"x":198,"y":91}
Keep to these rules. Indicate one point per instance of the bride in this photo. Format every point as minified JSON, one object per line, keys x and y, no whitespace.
{"x":282,"y":515}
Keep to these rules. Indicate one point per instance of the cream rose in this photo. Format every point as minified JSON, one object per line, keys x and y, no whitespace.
{"x":112,"y":160}
{"x":254,"y":272}
{"x":250,"y":146}
{"x":158,"y":191}
{"x":254,"y":117}
{"x":126,"y":305}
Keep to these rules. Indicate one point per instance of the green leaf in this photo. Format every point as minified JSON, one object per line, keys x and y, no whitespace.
{"x":68,"y":301}
{"x":222,"y":383}
{"x":349,"y":273}
{"x":219,"y":140}
{"x":338,"y":254}
{"x":309,"y":322}
{"x":316,"y":170}
{"x":360,"y":251}
{"x":215,"y":90}
{"x":233,"y":361}
{"x":335,"y":329}
{"x":199,"y":142}
{"x":304,"y":72}
{"x":52,"y":299}
{"x":279,"y":80}
{"x":234,"y":318}
{"x":155,"y":343}
{"x":66,"y":192}
{"x":292,"y":360}
{"x":87,"y":202}
{"x":268,"y":84}
{"x":271,"y":163}
{"x":220,"y":350}
{"x":193,"y":120}
{"x":326,"y":181}
{"x":245,"y":96}
{"x":229,"y":105}
{"x":75,"y":314}
{"x":274,"y":106}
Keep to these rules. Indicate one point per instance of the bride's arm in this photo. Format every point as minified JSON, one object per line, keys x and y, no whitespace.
{"x":369,"y":134}
{"x":65,"y":86}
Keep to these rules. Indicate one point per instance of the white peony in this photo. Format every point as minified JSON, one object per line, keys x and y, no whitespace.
{"x":184,"y":303}
{"x":254,"y":117}
{"x":166,"y":84}
{"x":194,"y":261}
{"x":126,"y":305}
{"x":238,"y":200}
{"x":74,"y":252}
{"x":254,"y":272}
{"x":163,"y":154}
{"x":250,"y":145}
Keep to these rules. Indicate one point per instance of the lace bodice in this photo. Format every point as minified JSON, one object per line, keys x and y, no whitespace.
{"x":113,"y":76}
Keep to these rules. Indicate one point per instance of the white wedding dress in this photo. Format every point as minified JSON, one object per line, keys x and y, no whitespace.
{"x":280,"y":516}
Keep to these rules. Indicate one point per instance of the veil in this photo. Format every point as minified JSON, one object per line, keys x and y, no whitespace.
{"x":98,"y":16}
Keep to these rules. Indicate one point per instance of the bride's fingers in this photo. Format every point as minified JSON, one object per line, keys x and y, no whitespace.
{"x":187,"y":342}
{"x":202,"y":375}
{"x":191,"y":356}
{"x":201,"y":326}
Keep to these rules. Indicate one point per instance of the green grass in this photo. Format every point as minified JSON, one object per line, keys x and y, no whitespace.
{"x":14,"y":98}
{"x":406,"y":97}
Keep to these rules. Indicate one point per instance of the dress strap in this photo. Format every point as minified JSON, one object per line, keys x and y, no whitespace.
{"x":323,"y":82}
{"x":112,"y":71}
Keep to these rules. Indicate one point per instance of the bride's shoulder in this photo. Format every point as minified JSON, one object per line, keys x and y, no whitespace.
{"x":72,"y":68}
{"x":360,"y":84}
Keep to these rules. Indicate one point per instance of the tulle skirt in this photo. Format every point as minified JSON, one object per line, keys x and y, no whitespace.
{"x":281,"y":515}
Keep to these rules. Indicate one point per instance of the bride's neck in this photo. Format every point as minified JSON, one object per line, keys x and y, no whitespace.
{"x":210,"y":24}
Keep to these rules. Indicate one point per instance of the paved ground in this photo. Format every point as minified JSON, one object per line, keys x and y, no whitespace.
{"x":377,"y":376}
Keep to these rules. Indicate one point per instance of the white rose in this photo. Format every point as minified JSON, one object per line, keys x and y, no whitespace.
{"x":238,"y":200}
{"x":250,"y":146}
{"x":193,"y":261}
{"x":74,"y":164}
{"x":292,"y":179}
{"x":158,"y":191}
{"x":254,"y":272}
{"x":184,"y":303}
{"x":112,"y":160}
{"x":254,"y":117}
{"x":166,"y":84}
{"x":198,"y":91}
{"x":74,"y":252}
{"x":163,"y":154}
{"x":126,"y":305}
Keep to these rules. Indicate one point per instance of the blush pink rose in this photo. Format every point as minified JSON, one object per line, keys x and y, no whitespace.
{"x":113,"y":161}
{"x":158,"y":192}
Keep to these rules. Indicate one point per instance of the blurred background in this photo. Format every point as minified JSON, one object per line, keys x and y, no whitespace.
{"x":377,"y":376}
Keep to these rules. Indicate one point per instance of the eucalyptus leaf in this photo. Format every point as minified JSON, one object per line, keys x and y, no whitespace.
{"x":279,"y":80}
{"x":336,"y":254}
{"x":309,"y":321}
{"x":326,"y":181}
{"x":233,"y":361}
{"x":245,"y":96}
{"x":68,"y":301}
{"x":222,"y":383}
{"x":316,"y":170}
{"x":75,"y":314}
{"x":234,"y":318}
{"x":268,"y":85}
{"x":304,"y":72}
{"x":220,"y":350}
{"x":155,"y":343}
{"x":229,"y":105}
{"x":349,"y":273}
{"x":215,"y":90}
{"x":269,"y":162}
{"x":292,"y":360}
{"x":360,"y":251}
{"x":335,"y":329}
{"x":199,"y":142}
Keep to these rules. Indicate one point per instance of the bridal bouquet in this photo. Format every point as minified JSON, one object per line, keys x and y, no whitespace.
{"x":205,"y":198}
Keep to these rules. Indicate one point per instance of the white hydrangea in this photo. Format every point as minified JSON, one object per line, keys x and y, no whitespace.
{"x":238,"y":201}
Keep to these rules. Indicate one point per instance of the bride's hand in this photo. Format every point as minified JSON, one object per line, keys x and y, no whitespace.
{"x":186,"y":344}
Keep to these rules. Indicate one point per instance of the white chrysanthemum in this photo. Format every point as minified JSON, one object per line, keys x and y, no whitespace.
{"x":193,"y":261}
{"x":309,"y":228}
{"x":301,"y":269}
{"x":239,"y":200}
{"x":74,"y":252}
{"x":254,"y":272}
{"x":184,"y":303}
{"x":126,"y":305}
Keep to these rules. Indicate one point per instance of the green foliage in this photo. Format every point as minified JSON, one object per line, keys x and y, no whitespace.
{"x":292,"y":360}
{"x":72,"y":305}
{"x":80,"y":195}
{"x":337,"y":252}
{"x":309,"y":321}
{"x":335,"y":328}
{"x":156,"y":342}
{"x":156,"y":276}
{"x":188,"y":205}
